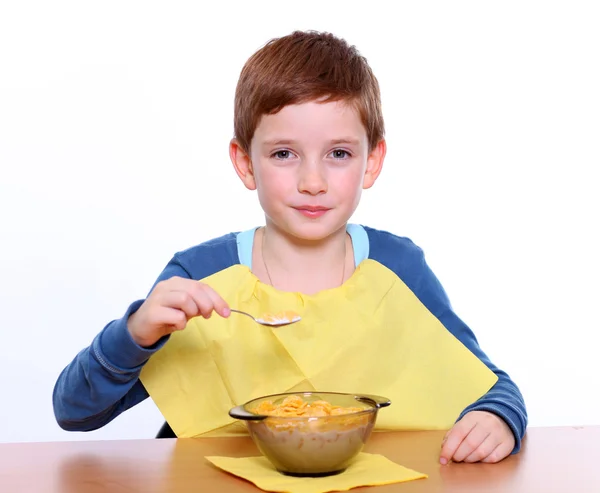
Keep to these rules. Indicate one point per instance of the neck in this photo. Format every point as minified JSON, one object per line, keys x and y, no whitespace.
{"x":293,"y":264}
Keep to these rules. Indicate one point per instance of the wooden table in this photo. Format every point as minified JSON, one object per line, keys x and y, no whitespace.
{"x":552,"y":460}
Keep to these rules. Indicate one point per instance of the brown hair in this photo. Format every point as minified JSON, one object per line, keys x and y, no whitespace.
{"x":302,"y":67}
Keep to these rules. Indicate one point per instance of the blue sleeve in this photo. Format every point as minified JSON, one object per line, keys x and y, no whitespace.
{"x":102,"y":381}
{"x":408,"y":261}
{"x":504,"y":399}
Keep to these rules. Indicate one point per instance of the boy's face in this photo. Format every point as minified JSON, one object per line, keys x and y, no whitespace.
{"x":309,"y":163}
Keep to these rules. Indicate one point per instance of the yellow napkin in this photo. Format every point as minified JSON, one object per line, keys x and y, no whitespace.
{"x":366,"y":470}
{"x":370,"y":335}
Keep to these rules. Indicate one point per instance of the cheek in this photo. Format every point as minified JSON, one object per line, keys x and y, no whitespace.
{"x":273,"y":186}
{"x":348,"y":183}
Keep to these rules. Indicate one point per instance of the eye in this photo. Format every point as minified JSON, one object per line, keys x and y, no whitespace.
{"x":282,"y":154}
{"x":340,"y":154}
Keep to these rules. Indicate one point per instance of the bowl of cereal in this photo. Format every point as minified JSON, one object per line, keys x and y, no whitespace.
{"x":310,"y":433}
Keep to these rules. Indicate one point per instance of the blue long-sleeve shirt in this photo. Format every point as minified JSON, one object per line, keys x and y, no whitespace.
{"x":103,"y":379}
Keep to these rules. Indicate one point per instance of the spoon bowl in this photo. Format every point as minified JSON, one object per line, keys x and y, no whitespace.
{"x":273,"y":319}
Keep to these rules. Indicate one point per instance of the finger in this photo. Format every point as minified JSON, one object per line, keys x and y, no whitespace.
{"x":206,"y":298}
{"x":219,"y":304}
{"x":171,"y":318}
{"x":470,"y":443}
{"x":499,"y":453}
{"x":446,"y":437}
{"x":202,"y":299}
{"x":455,"y":437}
{"x":484,"y":449}
{"x":174,"y":283}
{"x":180,"y":300}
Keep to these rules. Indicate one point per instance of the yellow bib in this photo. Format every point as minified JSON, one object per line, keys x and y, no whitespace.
{"x":371,"y":335}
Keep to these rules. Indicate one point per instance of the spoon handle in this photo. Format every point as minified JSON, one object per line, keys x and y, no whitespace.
{"x":243,"y":313}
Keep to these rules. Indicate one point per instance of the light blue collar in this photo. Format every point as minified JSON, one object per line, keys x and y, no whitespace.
{"x":360,"y":244}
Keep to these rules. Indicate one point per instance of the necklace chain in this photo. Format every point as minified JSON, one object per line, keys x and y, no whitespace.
{"x":262,"y":252}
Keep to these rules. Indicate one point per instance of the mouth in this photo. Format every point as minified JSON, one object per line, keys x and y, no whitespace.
{"x":312,"y":211}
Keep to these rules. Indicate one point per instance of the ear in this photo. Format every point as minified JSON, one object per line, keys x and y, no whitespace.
{"x":374,"y":164}
{"x":242,"y":164}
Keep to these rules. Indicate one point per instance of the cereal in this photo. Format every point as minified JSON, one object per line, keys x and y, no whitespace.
{"x":280,"y":318}
{"x":294,"y":406}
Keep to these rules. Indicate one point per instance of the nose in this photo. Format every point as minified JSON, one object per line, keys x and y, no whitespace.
{"x":312,"y":178}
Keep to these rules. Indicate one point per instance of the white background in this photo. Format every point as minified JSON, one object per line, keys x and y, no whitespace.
{"x":115,"y":119}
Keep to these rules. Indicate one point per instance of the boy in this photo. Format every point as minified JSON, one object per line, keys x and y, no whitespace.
{"x":309,"y":137}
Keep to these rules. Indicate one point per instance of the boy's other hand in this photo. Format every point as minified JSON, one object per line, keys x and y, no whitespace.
{"x":480,"y":436}
{"x":169,"y":307}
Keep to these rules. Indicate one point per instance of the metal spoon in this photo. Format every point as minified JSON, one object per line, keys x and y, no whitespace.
{"x":273,"y":319}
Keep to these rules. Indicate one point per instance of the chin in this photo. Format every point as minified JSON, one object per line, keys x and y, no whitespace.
{"x":313,"y":231}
